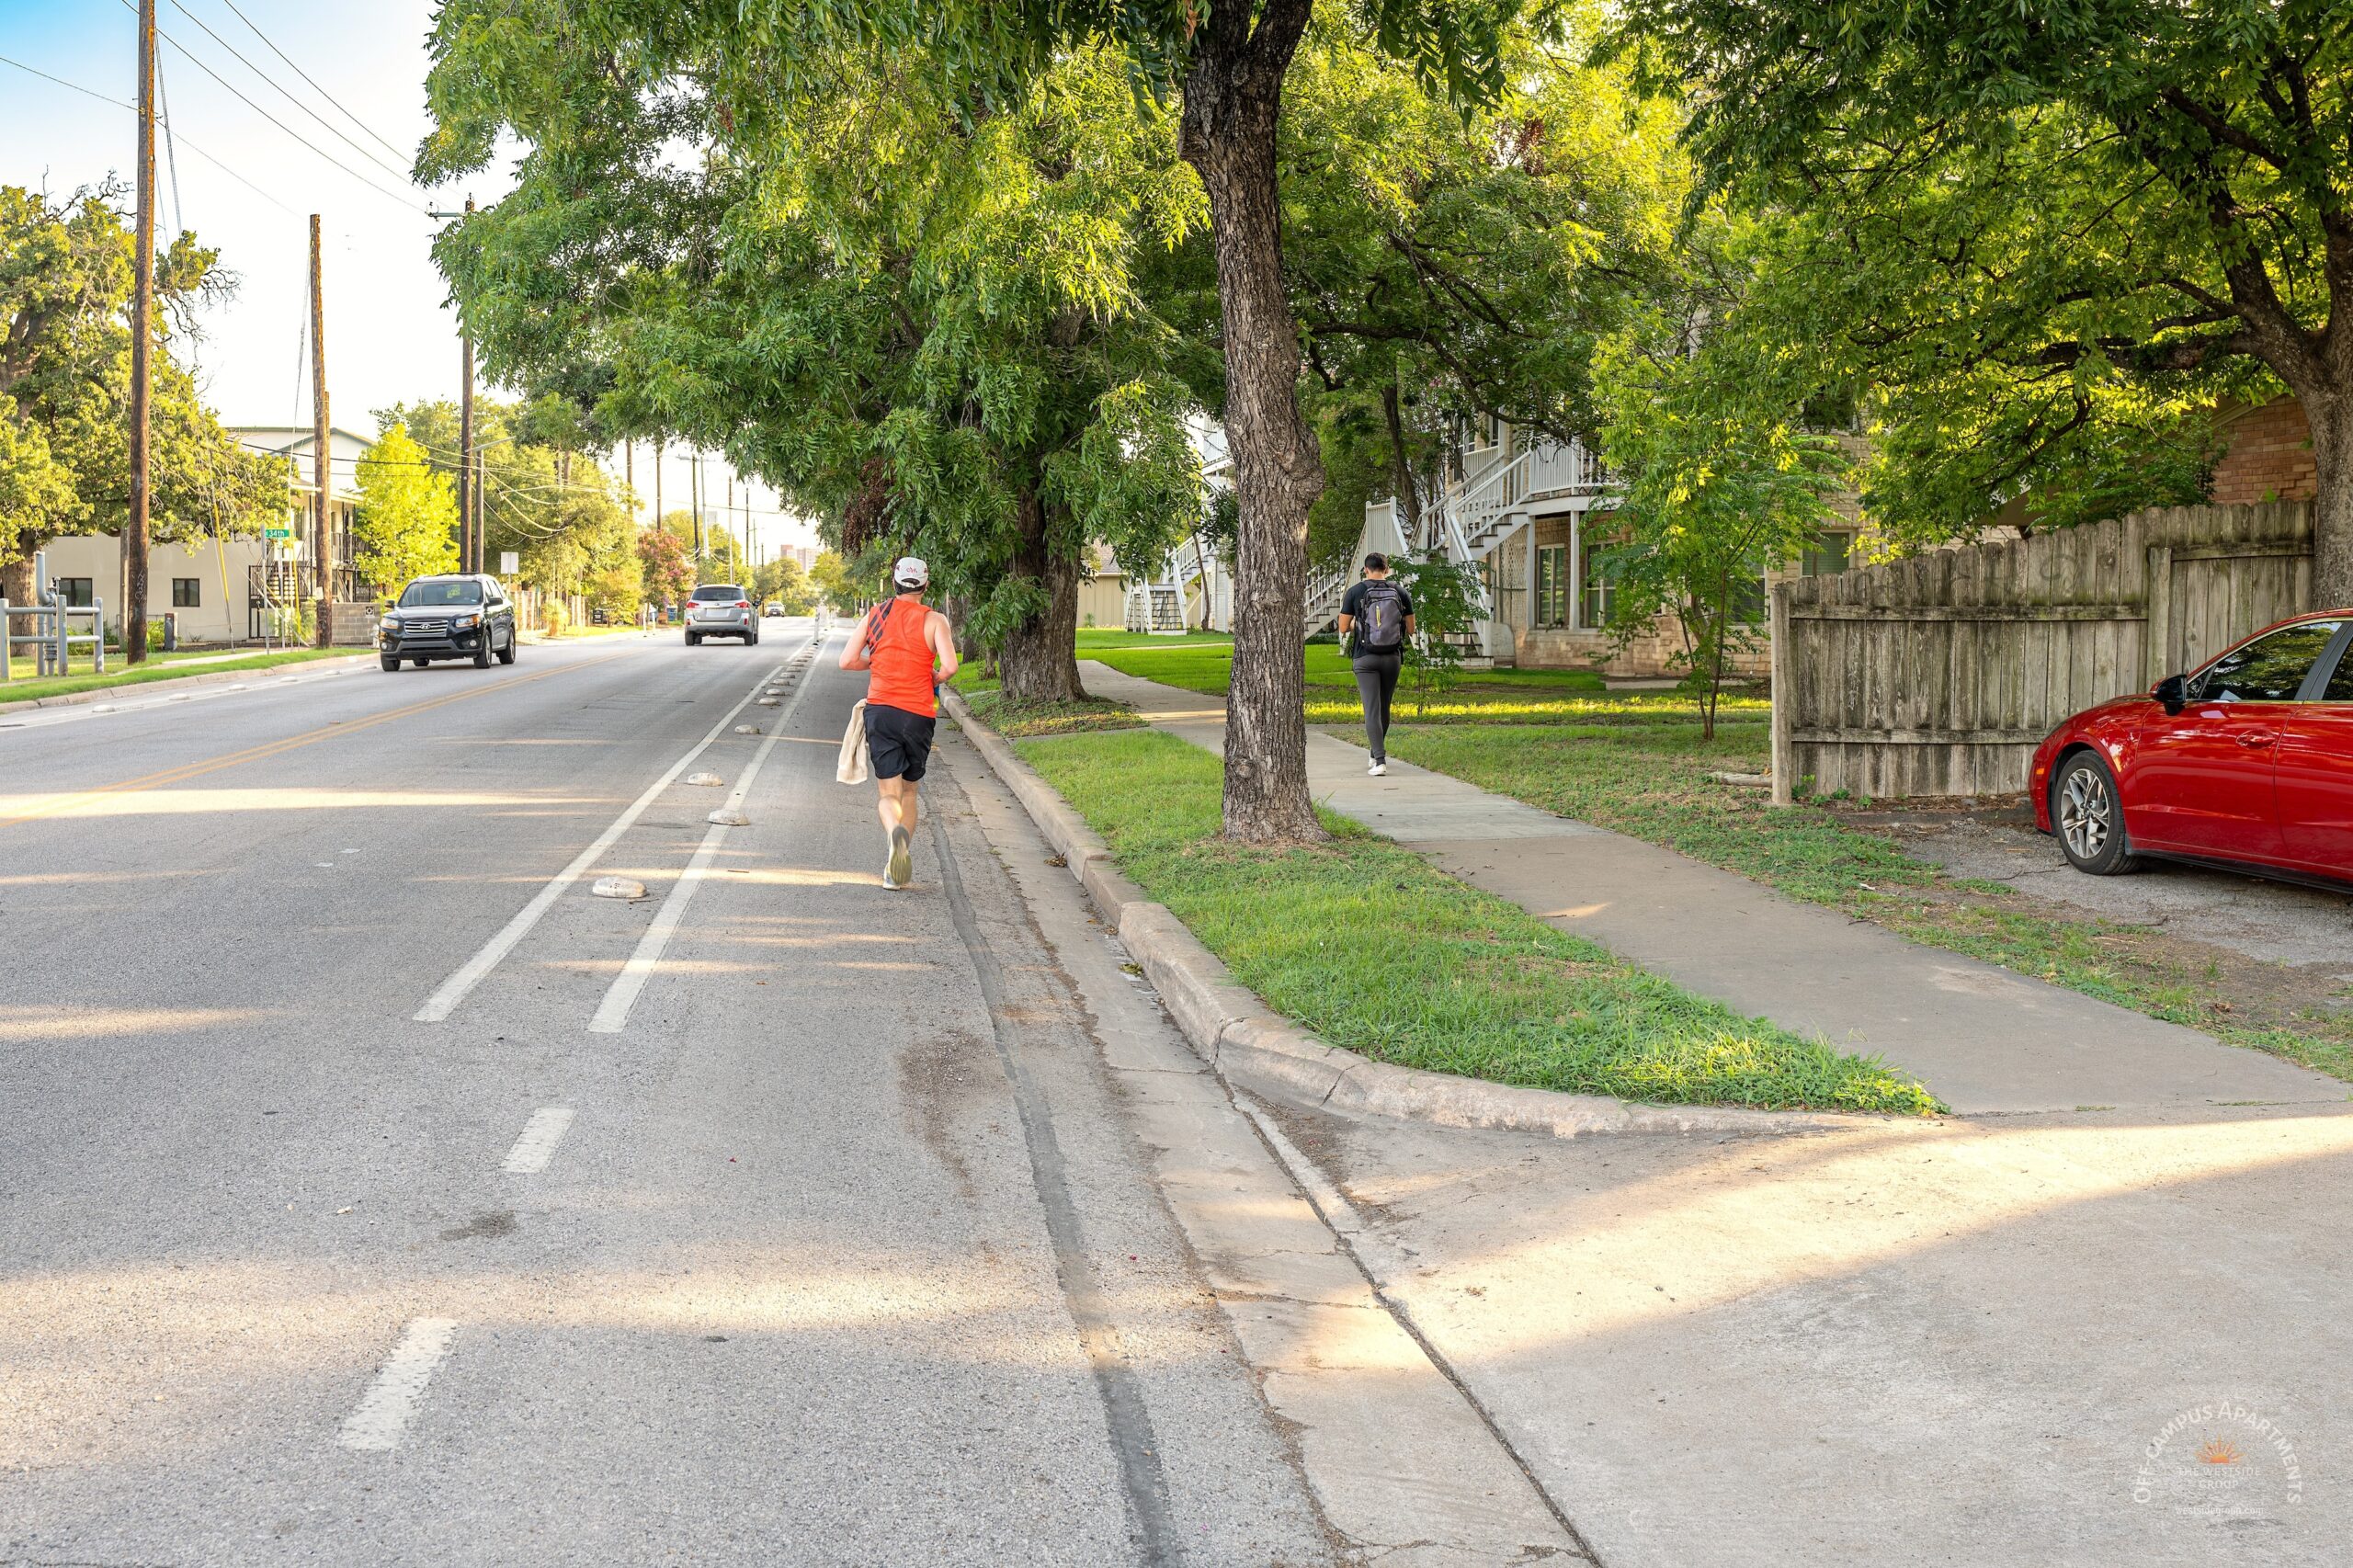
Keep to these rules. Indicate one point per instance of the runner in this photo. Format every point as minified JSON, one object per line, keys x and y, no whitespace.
{"x":910,"y":650}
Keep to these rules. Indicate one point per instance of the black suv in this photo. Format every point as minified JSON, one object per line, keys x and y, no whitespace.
{"x":451,"y":616}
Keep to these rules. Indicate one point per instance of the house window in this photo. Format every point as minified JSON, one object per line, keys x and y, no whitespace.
{"x":1594,"y":563}
{"x":1552,"y":584}
{"x":1827,"y":556}
{"x":1748,"y":600}
{"x":187,"y":592}
{"x":75,"y":591}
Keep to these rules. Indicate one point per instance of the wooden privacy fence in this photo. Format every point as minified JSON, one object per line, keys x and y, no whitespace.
{"x":1939,"y":675}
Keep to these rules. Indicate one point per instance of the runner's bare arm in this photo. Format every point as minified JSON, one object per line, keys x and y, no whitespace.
{"x":943,"y":647}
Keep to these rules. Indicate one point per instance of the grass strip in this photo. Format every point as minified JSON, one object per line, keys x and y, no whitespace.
{"x":1374,"y":949}
{"x":23,"y":690}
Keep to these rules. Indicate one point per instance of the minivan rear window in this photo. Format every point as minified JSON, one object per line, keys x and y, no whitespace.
{"x":717,"y":591}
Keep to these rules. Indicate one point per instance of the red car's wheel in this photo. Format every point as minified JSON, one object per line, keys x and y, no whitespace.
{"x":2088,"y":818}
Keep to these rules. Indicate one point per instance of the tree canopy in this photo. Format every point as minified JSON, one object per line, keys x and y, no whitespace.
{"x":2049,"y":233}
{"x":406,"y":524}
{"x":925,"y":317}
{"x":66,"y":271}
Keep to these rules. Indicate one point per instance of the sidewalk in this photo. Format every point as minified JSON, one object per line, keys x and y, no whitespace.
{"x":1984,"y":1039}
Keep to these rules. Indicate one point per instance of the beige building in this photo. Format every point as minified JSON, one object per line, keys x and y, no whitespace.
{"x":220,"y":590}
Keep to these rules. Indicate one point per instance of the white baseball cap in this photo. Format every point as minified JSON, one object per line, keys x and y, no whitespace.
{"x":911,"y":572}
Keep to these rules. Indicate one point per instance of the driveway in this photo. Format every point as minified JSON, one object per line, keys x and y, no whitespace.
{"x":2299,"y":926}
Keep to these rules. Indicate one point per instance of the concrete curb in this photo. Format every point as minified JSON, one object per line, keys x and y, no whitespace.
{"x":100,"y":693}
{"x":1253,"y":1049}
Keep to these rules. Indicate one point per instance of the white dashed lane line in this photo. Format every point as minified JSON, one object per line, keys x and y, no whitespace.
{"x":537,"y":1145}
{"x":612,"y":1013}
{"x":455,"y":990}
{"x":385,"y":1410}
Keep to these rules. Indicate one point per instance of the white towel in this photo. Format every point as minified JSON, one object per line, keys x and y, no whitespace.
{"x":851,"y":769}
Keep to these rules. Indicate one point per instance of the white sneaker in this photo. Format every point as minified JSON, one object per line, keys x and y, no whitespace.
{"x":1379,"y":768}
{"x":899,"y":870}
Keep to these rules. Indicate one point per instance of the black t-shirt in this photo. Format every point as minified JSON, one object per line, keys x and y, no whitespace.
{"x":1352,"y":604}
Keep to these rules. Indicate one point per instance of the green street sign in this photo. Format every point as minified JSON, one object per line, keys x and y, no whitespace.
{"x":277,"y":533}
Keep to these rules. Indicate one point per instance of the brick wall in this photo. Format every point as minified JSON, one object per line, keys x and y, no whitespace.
{"x":2269,"y":457}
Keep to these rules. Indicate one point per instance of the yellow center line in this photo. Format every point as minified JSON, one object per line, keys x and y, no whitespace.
{"x":274,"y":748}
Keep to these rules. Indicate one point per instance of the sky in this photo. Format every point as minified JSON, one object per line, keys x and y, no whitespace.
{"x":247,"y":186}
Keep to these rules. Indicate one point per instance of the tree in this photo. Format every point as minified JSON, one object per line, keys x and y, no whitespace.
{"x":668,"y":571}
{"x":544,"y":498}
{"x":922,"y":314}
{"x":829,"y":579}
{"x":65,"y":285}
{"x":1228,"y":63}
{"x":1446,"y":267}
{"x":2086,"y":218}
{"x":405,"y":525}
{"x":1707,"y":426}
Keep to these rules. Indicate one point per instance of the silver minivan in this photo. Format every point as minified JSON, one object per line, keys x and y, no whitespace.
{"x":722,"y":610}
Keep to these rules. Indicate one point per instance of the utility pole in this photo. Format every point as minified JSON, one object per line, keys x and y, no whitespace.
{"x":734,"y":568}
{"x":694,"y":493}
{"x":142,"y":309}
{"x":322,"y":461}
{"x":469,"y":496}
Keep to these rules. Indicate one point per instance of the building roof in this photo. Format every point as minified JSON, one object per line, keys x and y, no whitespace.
{"x":345,"y":448}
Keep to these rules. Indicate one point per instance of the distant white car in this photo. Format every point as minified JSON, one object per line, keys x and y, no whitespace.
{"x":773,"y":608}
{"x":721,"y":609}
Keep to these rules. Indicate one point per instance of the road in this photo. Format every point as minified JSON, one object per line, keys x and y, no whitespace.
{"x":369,"y":1192}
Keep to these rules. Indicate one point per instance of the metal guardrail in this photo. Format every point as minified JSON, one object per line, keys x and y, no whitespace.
{"x":53,"y":638}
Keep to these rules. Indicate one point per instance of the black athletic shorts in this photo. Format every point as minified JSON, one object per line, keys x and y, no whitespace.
{"x":898,"y":744}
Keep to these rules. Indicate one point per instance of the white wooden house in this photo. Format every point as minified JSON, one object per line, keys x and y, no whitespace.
{"x":1532,"y":515}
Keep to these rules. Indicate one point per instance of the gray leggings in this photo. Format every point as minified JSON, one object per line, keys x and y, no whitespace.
{"x":1375,"y":684}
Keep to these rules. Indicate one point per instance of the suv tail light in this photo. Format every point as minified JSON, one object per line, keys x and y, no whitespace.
{"x":742,"y":604}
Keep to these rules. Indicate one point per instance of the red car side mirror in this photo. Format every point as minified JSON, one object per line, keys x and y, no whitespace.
{"x":2173,"y":692}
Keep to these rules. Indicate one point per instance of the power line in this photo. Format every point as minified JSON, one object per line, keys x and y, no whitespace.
{"x":330,"y":97}
{"x":283,"y":92}
{"x":90,"y":93}
{"x":171,"y":153}
{"x":321,"y":153}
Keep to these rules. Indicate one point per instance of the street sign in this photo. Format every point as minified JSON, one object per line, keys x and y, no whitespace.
{"x":277,"y":533}
{"x":509,"y":563}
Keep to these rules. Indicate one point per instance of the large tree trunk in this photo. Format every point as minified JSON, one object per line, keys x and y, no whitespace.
{"x":1233,"y":99}
{"x":2331,"y":418}
{"x":1039,"y":662}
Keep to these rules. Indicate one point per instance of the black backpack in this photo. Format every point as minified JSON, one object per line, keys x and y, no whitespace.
{"x":1381,"y":624}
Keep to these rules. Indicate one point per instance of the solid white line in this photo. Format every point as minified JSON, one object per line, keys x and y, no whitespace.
{"x":384,"y":1411}
{"x":537,"y":1145}
{"x":612,"y":1013}
{"x":455,"y":989}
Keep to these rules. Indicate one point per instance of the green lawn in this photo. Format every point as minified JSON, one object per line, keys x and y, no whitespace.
{"x":1374,"y":949}
{"x":1203,"y":662}
{"x":162,"y":666}
{"x":1644,"y":773}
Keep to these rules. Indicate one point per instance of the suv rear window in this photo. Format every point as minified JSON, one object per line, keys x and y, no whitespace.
{"x":716,"y":592}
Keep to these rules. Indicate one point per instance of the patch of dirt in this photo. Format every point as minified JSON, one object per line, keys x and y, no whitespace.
{"x":938,"y":1078}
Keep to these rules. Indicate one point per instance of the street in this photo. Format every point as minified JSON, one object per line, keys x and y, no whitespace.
{"x":784,"y":1262}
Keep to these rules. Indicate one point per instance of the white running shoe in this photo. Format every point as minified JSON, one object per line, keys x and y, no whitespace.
{"x":900,"y":870}
{"x":1380,"y":768}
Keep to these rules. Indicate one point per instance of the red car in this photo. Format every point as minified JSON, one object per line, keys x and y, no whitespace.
{"x":2247,"y":761}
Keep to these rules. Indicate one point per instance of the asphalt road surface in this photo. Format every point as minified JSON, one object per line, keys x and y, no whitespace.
{"x":372,"y":1191}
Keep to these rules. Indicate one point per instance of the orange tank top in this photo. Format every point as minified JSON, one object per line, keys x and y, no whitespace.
{"x":902,"y":675}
